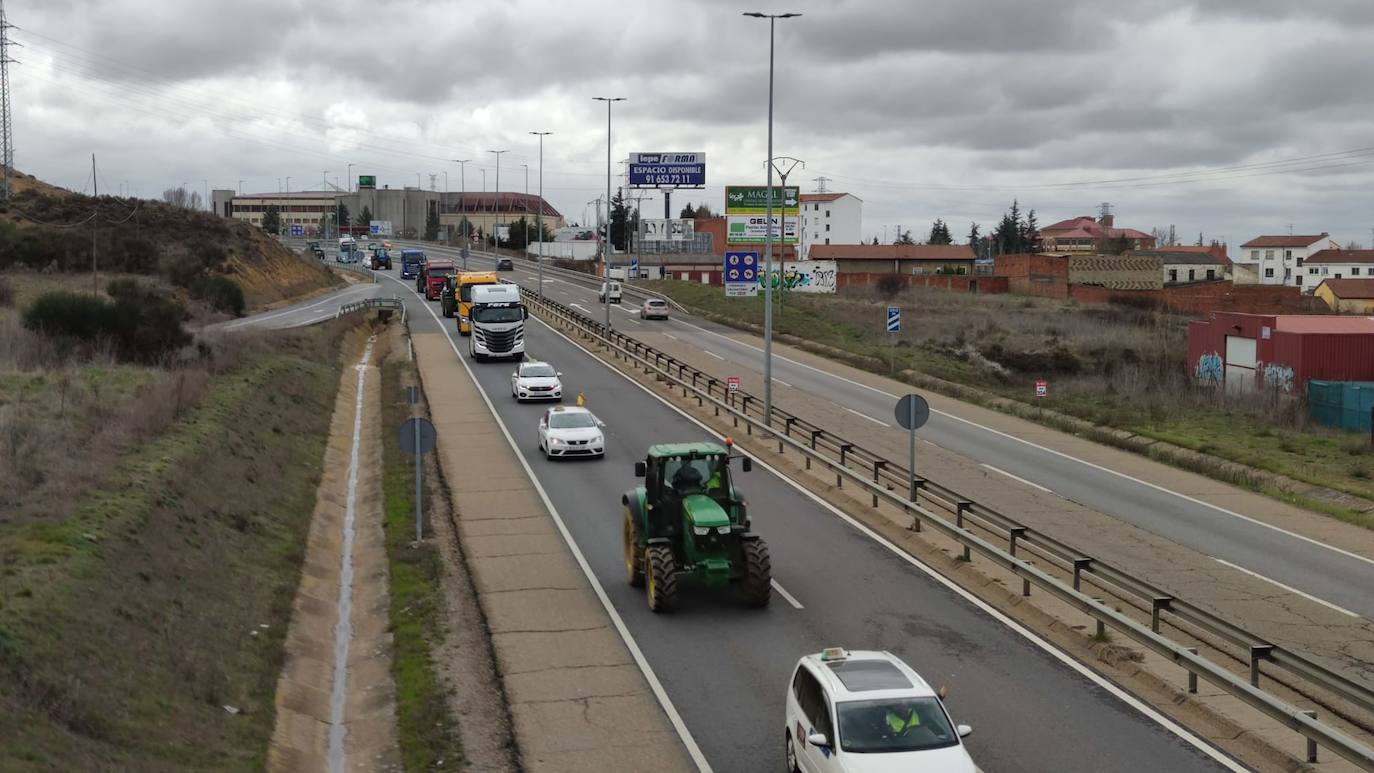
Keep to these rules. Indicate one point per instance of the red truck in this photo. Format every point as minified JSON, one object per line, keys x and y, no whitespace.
{"x":433,"y":275}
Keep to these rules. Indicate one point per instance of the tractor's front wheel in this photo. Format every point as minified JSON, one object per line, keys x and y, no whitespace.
{"x":756,"y":587}
{"x":661,"y":571}
{"x":634,"y":557}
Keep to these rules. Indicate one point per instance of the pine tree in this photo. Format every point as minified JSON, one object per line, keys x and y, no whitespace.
{"x":973,"y":236}
{"x":432,"y":224}
{"x":1030,"y":233}
{"x":939,"y":233}
{"x":271,"y":219}
{"x":687,"y":213}
{"x":365,"y":217}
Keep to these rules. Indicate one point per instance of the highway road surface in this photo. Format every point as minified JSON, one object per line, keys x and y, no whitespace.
{"x":1323,"y":572}
{"x":725,"y":667}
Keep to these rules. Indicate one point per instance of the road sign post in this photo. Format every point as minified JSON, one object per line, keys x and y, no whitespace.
{"x":417,"y":439}
{"x":894,"y":326}
{"x":912,"y":413}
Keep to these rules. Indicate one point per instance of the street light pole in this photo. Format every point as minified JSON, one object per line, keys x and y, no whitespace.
{"x":606,"y":244}
{"x":539,"y":215}
{"x":464,"y":223}
{"x":527,"y":178}
{"x":495,"y":202}
{"x":768,"y":237}
{"x":782,"y":261}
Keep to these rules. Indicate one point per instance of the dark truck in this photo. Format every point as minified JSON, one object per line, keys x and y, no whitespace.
{"x":412,"y":263}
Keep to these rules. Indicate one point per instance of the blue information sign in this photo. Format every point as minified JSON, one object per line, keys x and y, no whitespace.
{"x":741,"y":273}
{"x":297,"y":229}
{"x":894,"y":319}
{"x":667,"y":170}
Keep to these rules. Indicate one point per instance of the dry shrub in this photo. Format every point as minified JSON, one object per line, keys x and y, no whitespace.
{"x":6,"y":293}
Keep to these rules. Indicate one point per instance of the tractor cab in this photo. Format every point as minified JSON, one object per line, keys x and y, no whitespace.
{"x":688,"y":518}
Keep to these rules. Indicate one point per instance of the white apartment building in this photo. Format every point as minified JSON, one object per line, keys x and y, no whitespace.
{"x":1336,"y":264}
{"x":830,"y":218}
{"x":1280,"y":258}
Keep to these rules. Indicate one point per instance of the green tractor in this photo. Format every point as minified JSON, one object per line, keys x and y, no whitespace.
{"x":688,"y":520}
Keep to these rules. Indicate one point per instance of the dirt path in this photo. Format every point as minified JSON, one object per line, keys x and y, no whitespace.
{"x":335,"y":699}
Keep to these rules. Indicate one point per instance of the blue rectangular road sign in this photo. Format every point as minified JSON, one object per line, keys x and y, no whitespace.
{"x":894,"y":319}
{"x":297,"y":229}
{"x":741,"y":273}
{"x":669,"y":170}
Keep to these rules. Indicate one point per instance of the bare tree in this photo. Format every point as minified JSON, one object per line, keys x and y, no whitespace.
{"x":180,"y":197}
{"x":1354,"y":245}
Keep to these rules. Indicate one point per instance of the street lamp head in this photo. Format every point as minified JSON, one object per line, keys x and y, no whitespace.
{"x":758,"y":15}
{"x":541,"y":134}
{"x":609,"y":99}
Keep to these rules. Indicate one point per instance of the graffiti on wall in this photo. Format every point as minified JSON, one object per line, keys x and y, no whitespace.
{"x":807,"y":276}
{"x":1279,"y":377}
{"x":1209,"y":368}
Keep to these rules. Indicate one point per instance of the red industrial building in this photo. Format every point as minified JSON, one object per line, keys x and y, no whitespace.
{"x":1245,"y":352}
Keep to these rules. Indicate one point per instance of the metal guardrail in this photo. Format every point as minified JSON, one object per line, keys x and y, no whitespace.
{"x":394,"y":303}
{"x":356,"y":268}
{"x":880,"y":477}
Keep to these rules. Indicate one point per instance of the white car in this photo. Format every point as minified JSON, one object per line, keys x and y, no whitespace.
{"x":654,"y":308}
{"x":536,"y":381}
{"x":864,"y":712}
{"x":568,"y":431}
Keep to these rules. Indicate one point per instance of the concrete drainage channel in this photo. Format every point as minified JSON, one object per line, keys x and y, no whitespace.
{"x":637,"y":359}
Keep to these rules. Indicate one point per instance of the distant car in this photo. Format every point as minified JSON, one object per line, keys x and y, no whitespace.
{"x":317,"y":251}
{"x":654,"y":308}
{"x":381,"y":259}
{"x":505,"y":264}
{"x":613,"y":292}
{"x":568,"y":431}
{"x":533,"y":380}
{"x":372,"y":246}
{"x":861,"y":711}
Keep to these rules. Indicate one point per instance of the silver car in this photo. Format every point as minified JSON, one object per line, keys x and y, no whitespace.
{"x":654,"y":308}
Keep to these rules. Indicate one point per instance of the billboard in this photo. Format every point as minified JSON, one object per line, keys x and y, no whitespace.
{"x":667,"y":170}
{"x":753,"y":199}
{"x":367,"y":181}
{"x":753,"y":229}
{"x":379,"y":227}
{"x":806,"y":276}
{"x":675,"y":230}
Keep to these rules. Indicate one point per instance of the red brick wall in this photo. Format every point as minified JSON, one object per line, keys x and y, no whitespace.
{"x":1205,"y":297}
{"x":1044,"y":276}
{"x":987,"y":285}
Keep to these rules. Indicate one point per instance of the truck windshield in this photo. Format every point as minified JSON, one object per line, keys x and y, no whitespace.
{"x":497,"y":314}
{"x":465,"y":294}
{"x":439,"y":273}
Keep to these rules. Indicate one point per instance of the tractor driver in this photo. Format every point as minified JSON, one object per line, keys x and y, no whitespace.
{"x":687,"y":479}
{"x":715,"y":484}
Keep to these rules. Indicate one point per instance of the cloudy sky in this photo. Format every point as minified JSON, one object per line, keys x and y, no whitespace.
{"x":1226,"y":117}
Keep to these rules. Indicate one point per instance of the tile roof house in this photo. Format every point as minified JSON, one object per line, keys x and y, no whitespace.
{"x":1087,"y":235}
{"x":1351,"y":295}
{"x":1280,"y":258}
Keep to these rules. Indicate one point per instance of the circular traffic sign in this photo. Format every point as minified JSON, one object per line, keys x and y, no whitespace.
{"x":748,"y":274}
{"x":912,"y":411}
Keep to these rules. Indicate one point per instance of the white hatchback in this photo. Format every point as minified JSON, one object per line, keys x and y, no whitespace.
{"x":864,"y":712}
{"x":568,"y":431}
{"x":536,"y":381}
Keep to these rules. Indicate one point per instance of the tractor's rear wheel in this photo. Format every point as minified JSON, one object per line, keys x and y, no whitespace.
{"x":634,"y":557}
{"x":661,"y":571}
{"x":756,"y":587}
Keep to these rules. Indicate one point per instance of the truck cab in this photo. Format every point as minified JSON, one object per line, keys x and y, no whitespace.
{"x":412,"y":263}
{"x":434,"y":274}
{"x":466,"y":281}
{"x":497,"y":323}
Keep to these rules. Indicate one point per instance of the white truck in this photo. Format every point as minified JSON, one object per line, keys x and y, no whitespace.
{"x":498,"y":323}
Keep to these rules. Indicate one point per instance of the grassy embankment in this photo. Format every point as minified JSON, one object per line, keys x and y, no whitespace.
{"x":426,"y":730}
{"x":1118,"y":367}
{"x":152,"y":528}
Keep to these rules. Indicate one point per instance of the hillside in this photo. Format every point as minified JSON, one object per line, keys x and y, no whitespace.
{"x":48,"y":229}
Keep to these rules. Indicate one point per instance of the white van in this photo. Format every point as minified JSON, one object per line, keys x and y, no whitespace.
{"x":497,"y":323}
{"x":613,"y":293}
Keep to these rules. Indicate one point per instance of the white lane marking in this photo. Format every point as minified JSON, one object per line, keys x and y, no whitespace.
{"x":693,"y":750}
{"x":256,"y":318}
{"x":777,"y":586}
{"x":670,"y":336}
{"x":967,"y":596}
{"x":713,"y":354}
{"x":343,"y":628}
{"x":576,"y":306}
{"x":866,"y":416}
{"x":780,"y":381}
{"x":634,"y":322}
{"x":1061,"y":454}
{"x":1288,"y":588}
{"x":1096,"y":678}
{"x":1016,"y":478}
